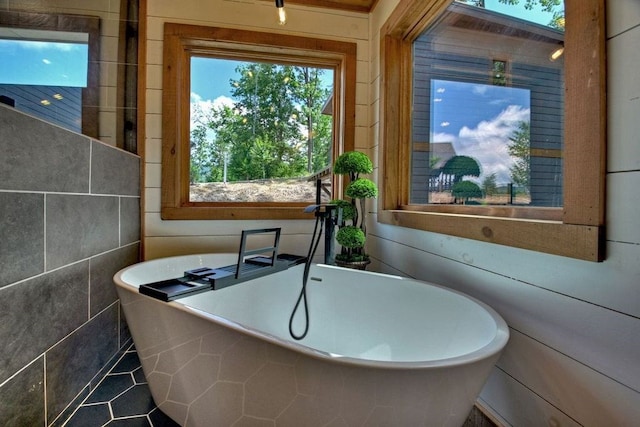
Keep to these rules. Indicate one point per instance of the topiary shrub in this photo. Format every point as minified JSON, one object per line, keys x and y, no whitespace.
{"x":352,"y":163}
{"x":362,"y":188}
{"x":465,"y":190}
{"x":351,"y":237}
{"x":352,"y":231}
{"x":461,"y":166}
{"x":347,"y":209}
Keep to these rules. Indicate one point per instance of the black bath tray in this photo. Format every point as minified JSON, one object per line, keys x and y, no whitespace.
{"x":252,"y":263}
{"x":250,"y":268}
{"x":168,"y":290}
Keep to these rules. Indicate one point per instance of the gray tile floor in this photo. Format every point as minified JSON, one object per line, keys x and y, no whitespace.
{"x":121,"y":399}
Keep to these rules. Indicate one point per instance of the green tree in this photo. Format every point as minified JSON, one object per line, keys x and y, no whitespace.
{"x":267,"y":113}
{"x":201,"y":147}
{"x":557,"y":21}
{"x":465,"y":190}
{"x":520,"y":149}
{"x":489,"y":185}
{"x":198,"y":157}
{"x":461,"y":166}
{"x":546,"y":5}
{"x":274,"y":129}
{"x":223,"y":123}
{"x":477,"y":3}
{"x":309,"y":93}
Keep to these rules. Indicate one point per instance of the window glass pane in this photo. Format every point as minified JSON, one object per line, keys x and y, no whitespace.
{"x":260,"y":131}
{"x":488,"y":107}
{"x":43,"y":73}
{"x":45,"y":62}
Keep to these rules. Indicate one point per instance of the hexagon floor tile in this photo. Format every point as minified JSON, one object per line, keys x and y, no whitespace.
{"x":121,"y":399}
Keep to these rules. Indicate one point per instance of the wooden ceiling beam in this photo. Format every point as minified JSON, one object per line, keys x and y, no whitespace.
{"x":363,"y":6}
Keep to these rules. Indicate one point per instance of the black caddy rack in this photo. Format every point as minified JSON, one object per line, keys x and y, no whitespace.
{"x":252,"y":263}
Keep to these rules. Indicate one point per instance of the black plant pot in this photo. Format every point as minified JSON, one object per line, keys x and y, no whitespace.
{"x":355,"y":265}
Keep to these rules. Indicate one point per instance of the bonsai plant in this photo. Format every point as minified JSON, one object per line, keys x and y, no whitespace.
{"x":464,"y":190}
{"x":352,"y":231}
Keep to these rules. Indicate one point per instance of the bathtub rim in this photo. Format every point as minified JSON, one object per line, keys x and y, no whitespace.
{"x":492,"y":349}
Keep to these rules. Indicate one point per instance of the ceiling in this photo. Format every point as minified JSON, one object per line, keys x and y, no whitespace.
{"x":364,"y":6}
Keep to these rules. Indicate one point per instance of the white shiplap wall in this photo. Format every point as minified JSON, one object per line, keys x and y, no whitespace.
{"x":166,"y":238}
{"x":574,"y":355}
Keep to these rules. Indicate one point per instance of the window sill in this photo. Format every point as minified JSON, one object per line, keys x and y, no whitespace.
{"x":235,"y":213}
{"x":552,"y":237}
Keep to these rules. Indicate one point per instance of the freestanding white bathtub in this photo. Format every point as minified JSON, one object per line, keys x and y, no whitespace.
{"x":381,"y":350}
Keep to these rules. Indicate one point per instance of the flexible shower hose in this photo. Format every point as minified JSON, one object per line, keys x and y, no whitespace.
{"x":315,"y":240}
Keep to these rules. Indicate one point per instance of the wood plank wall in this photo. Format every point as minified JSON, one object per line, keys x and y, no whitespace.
{"x":572,"y":359}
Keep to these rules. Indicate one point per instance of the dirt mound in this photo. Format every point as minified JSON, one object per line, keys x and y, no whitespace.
{"x":291,"y":190}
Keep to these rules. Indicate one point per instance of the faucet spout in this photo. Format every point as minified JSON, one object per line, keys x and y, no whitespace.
{"x":325,"y":212}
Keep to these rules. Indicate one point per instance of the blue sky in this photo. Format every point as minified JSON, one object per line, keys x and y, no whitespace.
{"x":534,"y":15}
{"x":43,"y":63}
{"x":210,"y":84}
{"x":210,"y":77}
{"x":478,"y":120}
{"x":208,"y":73}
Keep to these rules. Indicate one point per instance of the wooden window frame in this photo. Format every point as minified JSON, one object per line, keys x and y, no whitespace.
{"x":576,"y":230}
{"x":180,"y":43}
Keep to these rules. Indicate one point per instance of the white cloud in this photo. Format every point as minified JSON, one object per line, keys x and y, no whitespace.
{"x":488,"y":142}
{"x":201,"y":108}
{"x":499,"y":101}
{"x":36,"y":45}
{"x":445,"y":124}
{"x":440,"y":90}
{"x":46,"y":61}
{"x":480,"y":89}
{"x":444,"y":137}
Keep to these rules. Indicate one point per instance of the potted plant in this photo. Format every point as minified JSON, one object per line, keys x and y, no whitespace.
{"x":352,"y":231}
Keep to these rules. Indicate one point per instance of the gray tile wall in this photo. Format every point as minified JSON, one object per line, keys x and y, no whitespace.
{"x":69,"y":220}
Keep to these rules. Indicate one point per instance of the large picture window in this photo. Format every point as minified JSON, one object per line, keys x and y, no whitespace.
{"x":252,"y":121}
{"x":502,"y":136}
{"x":258,"y":131}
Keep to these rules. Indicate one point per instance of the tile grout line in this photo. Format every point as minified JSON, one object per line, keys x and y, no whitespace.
{"x":89,"y":292}
{"x":88,"y":385}
{"x":26,"y":279}
{"x":44,"y":386}
{"x":119,"y":221}
{"x":128,"y":370}
{"x":44,"y":235}
{"x":90,"y":162}
{"x":92,"y":390}
{"x":69,"y":193}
